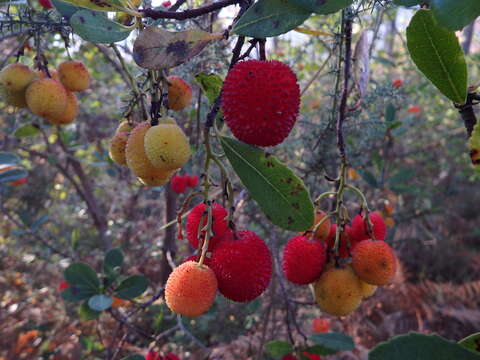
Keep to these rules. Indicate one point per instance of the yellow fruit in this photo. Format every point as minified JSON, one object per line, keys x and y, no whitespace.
{"x":124,"y":126}
{"x":167,"y":147}
{"x":70,"y":112}
{"x":43,"y":75}
{"x":322,"y":232}
{"x":367,"y":289}
{"x":374,"y":262}
{"x":190,"y":289}
{"x":158,"y":179}
{"x":167,"y":120}
{"x":74,"y":75}
{"x":338,"y":291}
{"x":16,"y":77}
{"x":13,"y":98}
{"x":117,"y":147}
{"x":46,"y":98}
{"x":179,"y":93}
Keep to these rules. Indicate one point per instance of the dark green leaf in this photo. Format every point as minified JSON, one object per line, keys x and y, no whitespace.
{"x":416,"y":346}
{"x":77,"y":293}
{"x":270,"y":18}
{"x":402,"y":176}
{"x":8,"y":158}
{"x":438,"y":55}
{"x":408,"y":2}
{"x":394,"y":125}
{"x":211,"y":85}
{"x":86,"y":313}
{"x":113,"y":258}
{"x":455,"y":14}
{"x":12,"y":175}
{"x":65,"y":8}
{"x":390,"y":113}
{"x":100,"y":302}
{"x":26,"y":130}
{"x":369,"y":178}
{"x":134,"y":357}
{"x":278,"y":348}
{"x":131,"y":287}
{"x":95,"y":27}
{"x":471,"y":342}
{"x":322,"y":7}
{"x":279,"y":192}
{"x":331,"y":343}
{"x":82,"y":275}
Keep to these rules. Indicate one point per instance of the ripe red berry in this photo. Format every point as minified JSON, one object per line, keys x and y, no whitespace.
{"x":360,"y":229}
{"x":166,"y":4}
{"x":311,"y":356}
{"x":179,"y":183}
{"x":219,"y":225}
{"x":397,"y":83}
{"x":153,"y":355}
{"x":343,"y":250}
{"x":243,"y":266}
{"x":192,"y":181}
{"x":260,"y":101}
{"x":46,"y":4}
{"x":320,"y":325}
{"x":303,"y":260}
{"x":289,"y":357}
{"x":374,"y":262}
{"x":171,"y":356}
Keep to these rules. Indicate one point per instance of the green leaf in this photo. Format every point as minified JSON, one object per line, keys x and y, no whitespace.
{"x":390,"y":112}
{"x":74,"y":238}
{"x":26,"y":130}
{"x":100,"y":302}
{"x":455,"y":14}
{"x":408,"y":2}
{"x":211,"y":85}
{"x":416,"y":346}
{"x":97,"y":28}
{"x":331,"y":343}
{"x":64,"y":8}
{"x":8,"y":158}
{"x":402,"y":176}
{"x":113,"y":258}
{"x":270,"y":18}
{"x":12,"y":175}
{"x":471,"y":342}
{"x":86,"y":313}
{"x":131,"y":287}
{"x":369,"y":178}
{"x":82,"y":275}
{"x":77,"y":293}
{"x":323,"y":6}
{"x":277,"y":190}
{"x":438,"y":55}
{"x":278,"y":348}
{"x":134,"y":357}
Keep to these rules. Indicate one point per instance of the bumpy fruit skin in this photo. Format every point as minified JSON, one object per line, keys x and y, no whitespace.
{"x":46,"y":98}
{"x":74,"y":75}
{"x":16,"y":77}
{"x":70,"y":112}
{"x":190,"y":289}
{"x":359,"y":227}
{"x":322,"y":232}
{"x":116,"y":150}
{"x":167,"y":147}
{"x":219,"y":224}
{"x":320,"y":325}
{"x":260,"y":101}
{"x":338,"y":291}
{"x":179,"y":184}
{"x":303,"y":260}
{"x":179,"y":93}
{"x":159,"y":178}
{"x":243,"y":266}
{"x":124,"y":126}
{"x":374,"y":262}
{"x":367,"y":289}
{"x":153,"y":355}
{"x":346,"y":236}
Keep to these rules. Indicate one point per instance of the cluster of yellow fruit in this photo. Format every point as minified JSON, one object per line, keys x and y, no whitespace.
{"x":51,"y":97}
{"x":155,"y":153}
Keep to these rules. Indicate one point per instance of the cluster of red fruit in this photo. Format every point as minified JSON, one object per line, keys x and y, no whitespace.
{"x":239,"y":266}
{"x":367,"y":262}
{"x":180,"y":183}
{"x":153,"y":355}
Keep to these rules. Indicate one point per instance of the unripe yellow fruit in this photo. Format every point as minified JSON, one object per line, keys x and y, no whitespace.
{"x":179,"y":93}
{"x":13,"y":98}
{"x":16,"y":77}
{"x":74,"y":75}
{"x":159,"y":178}
{"x":46,"y":98}
{"x":117,"y":147}
{"x":70,"y":112}
{"x":124,"y":126}
{"x":338,"y":291}
{"x":167,"y":147}
{"x":367,"y":289}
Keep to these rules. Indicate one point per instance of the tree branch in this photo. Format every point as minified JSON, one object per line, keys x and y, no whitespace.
{"x":188,"y":14}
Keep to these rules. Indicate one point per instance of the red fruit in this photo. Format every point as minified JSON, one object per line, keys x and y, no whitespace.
{"x":46,"y":4}
{"x":63,"y":285}
{"x":179,"y":184}
{"x":219,"y":226}
{"x":153,"y":355}
{"x":397,"y":83}
{"x":311,"y":356}
{"x":320,"y":325}
{"x":359,"y":227}
{"x":344,"y":237}
{"x":243,"y":266}
{"x":192,"y":181}
{"x":166,"y":4}
{"x":171,"y":356}
{"x":303,"y":260}
{"x":260,"y":101}
{"x":289,"y":357}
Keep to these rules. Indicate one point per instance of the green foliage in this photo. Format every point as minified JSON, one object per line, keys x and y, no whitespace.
{"x":471,"y":342}
{"x":211,"y":85}
{"x":278,"y":348}
{"x":26,"y":130}
{"x":100,"y":302}
{"x":323,"y":7}
{"x":94,"y":26}
{"x":438,"y":55}
{"x":420,"y":347}
{"x":113,"y":259}
{"x":408,"y":2}
{"x":83,"y":282}
{"x":455,"y":15}
{"x":65,"y":8}
{"x":331,"y":343}
{"x":131,"y":287}
{"x":279,"y":192}
{"x":86,"y":313}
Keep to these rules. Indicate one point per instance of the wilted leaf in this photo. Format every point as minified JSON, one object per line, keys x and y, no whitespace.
{"x":362,"y":63}
{"x":313,"y":32}
{"x":474,"y":145}
{"x":157,"y":49}
{"x":97,"y":28}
